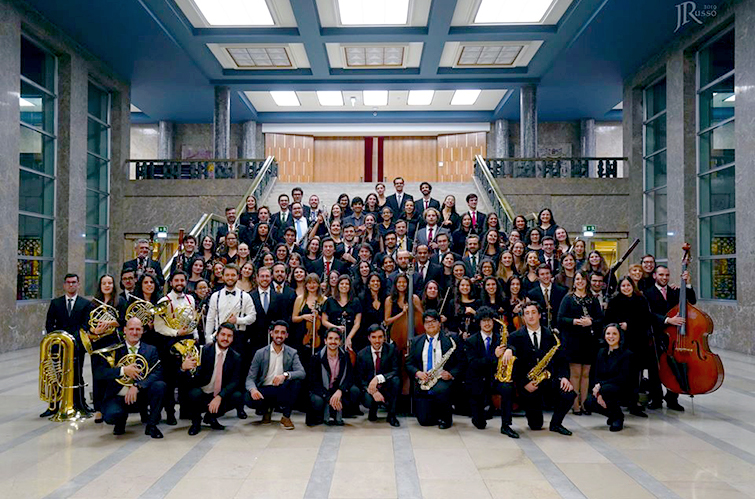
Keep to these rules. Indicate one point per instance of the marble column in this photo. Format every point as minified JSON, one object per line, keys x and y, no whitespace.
{"x":498,"y":145}
{"x":260,"y":141}
{"x":632,"y":149}
{"x":166,"y":140}
{"x":249,"y":145}
{"x":528,"y":121}
{"x":587,"y":142}
{"x":222,"y":123}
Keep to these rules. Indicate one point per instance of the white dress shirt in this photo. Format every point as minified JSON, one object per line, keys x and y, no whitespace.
{"x":223,"y":304}
{"x":301,"y":226}
{"x":437,"y":352}
{"x":275,"y":367}
{"x":380,"y":377}
{"x":210,"y":387}
{"x":176,"y":301}
{"x":539,"y":333}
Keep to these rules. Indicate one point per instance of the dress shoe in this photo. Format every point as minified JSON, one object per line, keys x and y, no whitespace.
{"x":153,"y":431}
{"x":637,"y":411}
{"x":119,"y":429}
{"x":509,"y":432}
{"x":286,"y":423}
{"x":267,"y":418}
{"x":241,"y":414}
{"x":577,"y":412}
{"x":215,"y":424}
{"x":674,"y":405}
{"x":655,"y":405}
{"x":479,"y":424}
{"x":47,"y":413}
{"x":585,"y":412}
{"x":195,"y":428}
{"x":393,"y":421}
{"x":560,"y":429}
{"x":617,"y":425}
{"x":444,"y":425}
{"x":372,"y":416}
{"x":170,"y":420}
{"x":338,"y":422}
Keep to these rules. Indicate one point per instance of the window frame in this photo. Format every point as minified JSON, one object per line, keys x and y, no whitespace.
{"x":647,"y":226}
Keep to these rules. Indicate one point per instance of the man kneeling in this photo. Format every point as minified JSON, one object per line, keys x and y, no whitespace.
{"x":330,"y":383}
{"x":377,"y":374}
{"x":214,"y":387}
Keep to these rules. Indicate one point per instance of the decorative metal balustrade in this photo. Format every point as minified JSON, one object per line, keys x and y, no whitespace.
{"x":557,"y":167}
{"x":490,"y":189}
{"x":191,"y":169}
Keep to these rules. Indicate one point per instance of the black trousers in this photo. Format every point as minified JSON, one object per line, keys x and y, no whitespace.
{"x":318,"y":404}
{"x":654,"y":380}
{"x":533,"y":402}
{"x":389,"y":390}
{"x":115,"y":410}
{"x":196,"y":401}
{"x":282,"y":396}
{"x":434,"y":405}
{"x":479,"y":398}
{"x":612,"y":396}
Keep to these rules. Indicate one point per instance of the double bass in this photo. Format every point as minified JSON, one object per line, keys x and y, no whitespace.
{"x":688,"y":366}
{"x":405,"y":328}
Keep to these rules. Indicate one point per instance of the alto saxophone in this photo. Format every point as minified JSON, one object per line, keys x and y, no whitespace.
{"x":433,"y":375}
{"x":538,"y":373}
{"x":504,"y":371}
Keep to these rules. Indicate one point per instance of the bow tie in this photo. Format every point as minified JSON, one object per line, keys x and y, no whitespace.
{"x":232,"y":293}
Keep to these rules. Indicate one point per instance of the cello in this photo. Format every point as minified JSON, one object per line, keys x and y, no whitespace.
{"x":687,"y":365}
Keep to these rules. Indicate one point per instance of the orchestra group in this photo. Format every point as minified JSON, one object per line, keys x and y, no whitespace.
{"x":413,"y":305}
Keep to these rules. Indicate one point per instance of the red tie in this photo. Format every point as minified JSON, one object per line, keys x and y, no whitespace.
{"x":427,"y":204}
{"x":377,"y":363}
{"x":218,"y":374}
{"x":327,"y":269}
{"x":663,"y":292}
{"x":474,"y":218}
{"x":429,"y":234}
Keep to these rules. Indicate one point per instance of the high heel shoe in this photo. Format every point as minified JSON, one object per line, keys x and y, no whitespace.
{"x":577,"y":412}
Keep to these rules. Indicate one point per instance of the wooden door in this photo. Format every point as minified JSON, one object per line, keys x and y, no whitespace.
{"x":294,"y":154}
{"x":457,"y":153}
{"x":413,"y":158}
{"x":339,"y":159}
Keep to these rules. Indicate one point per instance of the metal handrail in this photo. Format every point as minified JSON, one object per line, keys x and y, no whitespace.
{"x":497,"y":200}
{"x":194,"y":169}
{"x":557,"y":167}
{"x":260,"y":181}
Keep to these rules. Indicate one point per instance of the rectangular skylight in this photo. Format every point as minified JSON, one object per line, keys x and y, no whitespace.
{"x":330,"y":97}
{"x":512,"y":11}
{"x":731,"y":98}
{"x":489,"y":55}
{"x":373,"y":12}
{"x":285,"y":98}
{"x":375,"y":97}
{"x":465,"y":97}
{"x":374,"y":56}
{"x":420,"y":97}
{"x":235,"y":12}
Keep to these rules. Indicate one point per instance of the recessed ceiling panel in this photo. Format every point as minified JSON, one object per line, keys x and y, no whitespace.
{"x":351,"y":13}
{"x":502,"y":12}
{"x":260,"y":56}
{"x":488,"y":54}
{"x":374,"y":56}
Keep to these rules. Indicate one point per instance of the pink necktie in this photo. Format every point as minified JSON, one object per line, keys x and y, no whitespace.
{"x":219,"y":374}
{"x":663,"y":292}
{"x":474,"y":218}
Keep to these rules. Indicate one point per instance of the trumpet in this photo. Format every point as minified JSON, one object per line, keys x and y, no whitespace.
{"x":103,"y":314}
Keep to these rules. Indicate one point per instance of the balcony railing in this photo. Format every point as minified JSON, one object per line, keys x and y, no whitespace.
{"x":557,"y":167}
{"x":495,"y":197}
{"x":190,"y":169}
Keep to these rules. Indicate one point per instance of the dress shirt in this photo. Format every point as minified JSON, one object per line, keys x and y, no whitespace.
{"x":210,"y":387}
{"x":401,"y":244}
{"x":71,"y":302}
{"x":262,"y":292}
{"x":223,"y":304}
{"x":129,"y":349}
{"x":487,"y":340}
{"x":547,"y":292}
{"x":275,"y":367}
{"x":301,"y":228}
{"x":539,"y":333}
{"x":176,"y":301}
{"x":437,"y":351}
{"x":335,"y":368}
{"x":380,"y":377}
{"x":284,"y":216}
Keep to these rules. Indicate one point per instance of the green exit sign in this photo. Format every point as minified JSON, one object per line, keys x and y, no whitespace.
{"x":162,"y":229}
{"x":588,"y":228}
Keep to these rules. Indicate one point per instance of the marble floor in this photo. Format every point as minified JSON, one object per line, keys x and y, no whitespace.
{"x":708,"y":453}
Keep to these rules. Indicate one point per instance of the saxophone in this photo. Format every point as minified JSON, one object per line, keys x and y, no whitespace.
{"x":538,"y":373}
{"x":433,"y":375}
{"x":503,"y":372}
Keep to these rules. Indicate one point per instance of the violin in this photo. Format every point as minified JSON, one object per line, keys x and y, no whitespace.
{"x":687,"y":365}
{"x":311,"y":337}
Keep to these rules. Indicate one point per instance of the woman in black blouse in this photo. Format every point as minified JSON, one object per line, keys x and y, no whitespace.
{"x":610,"y":380}
{"x":208,"y":253}
{"x":411,"y":217}
{"x":343,"y":311}
{"x":465,"y":308}
{"x":449,"y":219}
{"x":515,"y":299}
{"x":459,"y":237}
{"x":373,"y":309}
{"x":491,"y":247}
{"x":249,"y":217}
{"x":371,"y":203}
{"x":546,"y":222}
{"x":492,"y":295}
{"x":371,"y":235}
{"x":432,"y":299}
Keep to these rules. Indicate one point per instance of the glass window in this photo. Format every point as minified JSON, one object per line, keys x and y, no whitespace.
{"x":716,"y":172}
{"x":36,"y":193}
{"x":654,"y":166}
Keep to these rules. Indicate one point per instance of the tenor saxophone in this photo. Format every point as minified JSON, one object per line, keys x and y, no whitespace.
{"x":504,"y":371}
{"x":433,"y":375}
{"x":538,"y":373}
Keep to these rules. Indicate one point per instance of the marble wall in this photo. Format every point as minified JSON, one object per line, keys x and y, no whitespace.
{"x":23,"y":322}
{"x":198,"y":137}
{"x":144,"y":141}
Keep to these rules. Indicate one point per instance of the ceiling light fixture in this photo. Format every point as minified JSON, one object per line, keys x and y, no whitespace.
{"x":420,"y":97}
{"x":353,"y":101}
{"x":373,"y":12}
{"x":235,"y":12}
{"x":512,"y":11}
{"x":375,"y":97}
{"x":330,"y":97}
{"x":465,"y":97}
{"x":285,"y":98}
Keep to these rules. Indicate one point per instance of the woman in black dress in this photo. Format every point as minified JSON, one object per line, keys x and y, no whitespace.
{"x":630,"y":310}
{"x":148,"y":290}
{"x":371,"y":235}
{"x":208,"y":254}
{"x":492,"y":295}
{"x":459,"y":237}
{"x":491,"y":247}
{"x":107,"y":293}
{"x":412,"y":219}
{"x":465,"y":308}
{"x":345,"y":204}
{"x":249,"y":217}
{"x":533,"y":239}
{"x":432,"y":299}
{"x":386,"y":224}
{"x":313,"y":251}
{"x":580,"y":252}
{"x":231,"y":253}
{"x":262,"y":239}
{"x":580,"y":320}
{"x":546,"y":222}
{"x":371,"y":204}
{"x":449,"y":219}
{"x":373,"y":309}
{"x":344,"y":312}
{"x":202,"y":293}
{"x":515,"y":299}
{"x":197,"y":270}
{"x":360,"y":277}
{"x":447,"y":261}
{"x":506,"y":269}
{"x":568,"y":269}
{"x":611,"y":384}
{"x":520,"y":224}
{"x":529,"y":277}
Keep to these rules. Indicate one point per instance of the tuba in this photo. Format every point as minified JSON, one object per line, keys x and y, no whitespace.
{"x":188,"y":349}
{"x":538,"y":373}
{"x":56,"y":376}
{"x":503,"y":372}
{"x":104,"y":313}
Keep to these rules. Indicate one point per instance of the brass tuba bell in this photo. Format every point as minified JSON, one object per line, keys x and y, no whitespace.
{"x":56,"y":375}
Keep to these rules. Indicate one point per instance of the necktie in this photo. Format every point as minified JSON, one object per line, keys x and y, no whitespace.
{"x":547,"y":294}
{"x":534,"y":340}
{"x":429,"y":234}
{"x":279,"y":287}
{"x":487,"y":345}
{"x":474,"y":218}
{"x":70,"y":306}
{"x":298,"y":229}
{"x":474,"y":262}
{"x":232,"y":293}
{"x":429,"y":353}
{"x":377,"y":363}
{"x":265,"y":300}
{"x":422,"y":271}
{"x":219,"y":373}
{"x":327,"y":269}
{"x":427,"y":204}
{"x":133,"y":349}
{"x":664,"y":293}
{"x":284,"y":217}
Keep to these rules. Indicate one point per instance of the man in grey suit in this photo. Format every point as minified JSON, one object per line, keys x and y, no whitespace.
{"x":431,"y":230}
{"x":275,"y":377}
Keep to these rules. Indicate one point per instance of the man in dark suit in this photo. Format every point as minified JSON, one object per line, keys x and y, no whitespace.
{"x":275,"y":377}
{"x":444,"y":246}
{"x":128,"y":285}
{"x":430,"y":232}
{"x":327,"y":262}
{"x":478,"y":218}
{"x":143,"y":263}
{"x":297,"y":196}
{"x":377,"y":375}
{"x":662,"y":298}
{"x":284,"y":295}
{"x":144,"y":389}
{"x":70,"y":313}
{"x":397,"y":201}
{"x":483,"y":351}
{"x":331,"y":383}
{"x":265,"y":303}
{"x":230,"y":226}
{"x":474,"y":257}
{"x":548,"y":255}
{"x":214,"y":387}
{"x":532,"y":342}
{"x":284,"y":218}
{"x":424,"y":270}
{"x":426,"y":352}
{"x":426,"y":201}
{"x":548,"y":296}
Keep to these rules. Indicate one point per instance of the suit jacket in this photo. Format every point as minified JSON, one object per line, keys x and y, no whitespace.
{"x":134,"y":264}
{"x":392,"y":202}
{"x":284,"y":304}
{"x":434,"y":272}
{"x":59,"y":320}
{"x":435,"y":258}
{"x":472,"y":269}
{"x":421,"y":235}
{"x":556,"y":265}
{"x":261,"y":362}
{"x":223,"y":231}
{"x":557,"y":294}
{"x":420,"y":204}
{"x":103,"y":372}
{"x":481,"y":365}
{"x":454,"y":365}
{"x":527,"y":357}
{"x":480,"y":227}
{"x":660,"y":306}
{"x":231,"y":381}
{"x":262,"y":323}
{"x":365,"y":367}
{"x":281,"y":227}
{"x":318,"y":266}
{"x":319,"y":374}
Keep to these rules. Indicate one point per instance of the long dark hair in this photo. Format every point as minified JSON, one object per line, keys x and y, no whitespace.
{"x":498,"y":292}
{"x":394,"y":290}
{"x":99,"y":295}
{"x":139,"y":293}
{"x":368,"y":293}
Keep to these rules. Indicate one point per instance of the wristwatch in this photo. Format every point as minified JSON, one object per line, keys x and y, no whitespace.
{"x":286,"y":374}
